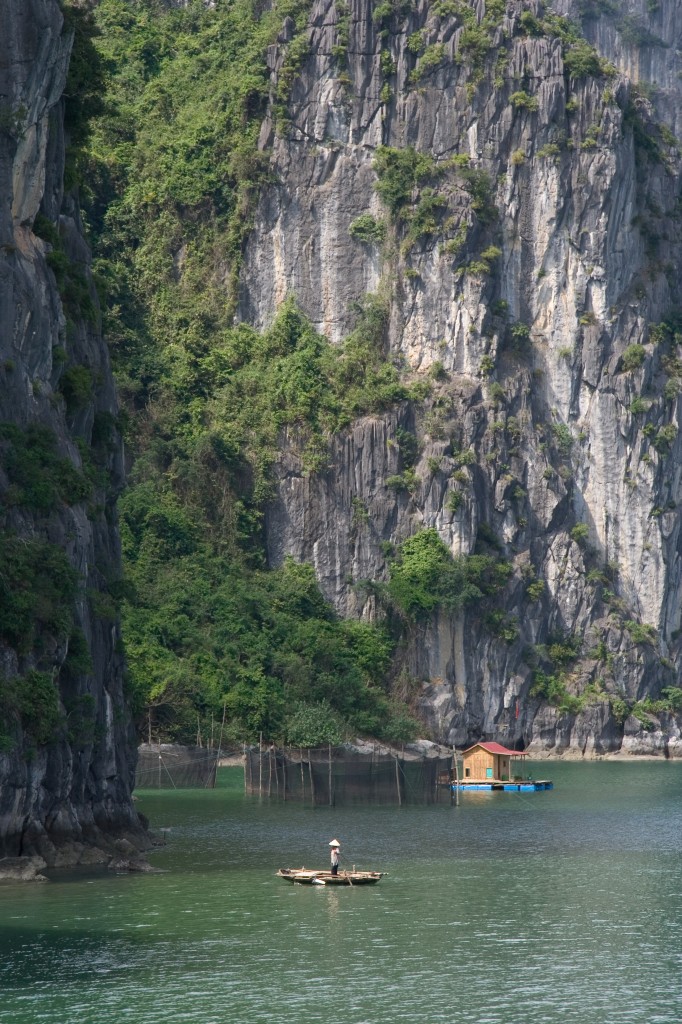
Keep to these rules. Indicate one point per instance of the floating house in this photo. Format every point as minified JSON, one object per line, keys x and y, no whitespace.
{"x":490,"y":766}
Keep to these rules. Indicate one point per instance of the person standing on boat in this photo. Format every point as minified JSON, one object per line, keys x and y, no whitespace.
{"x":336,"y":848}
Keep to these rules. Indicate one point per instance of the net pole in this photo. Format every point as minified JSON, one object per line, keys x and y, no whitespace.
{"x":220,"y":744}
{"x":300,"y":754}
{"x":330,"y":775}
{"x":260,"y":765}
{"x":168,"y":774}
{"x":397,"y":782}
{"x":312,"y":781}
{"x":454,"y":755}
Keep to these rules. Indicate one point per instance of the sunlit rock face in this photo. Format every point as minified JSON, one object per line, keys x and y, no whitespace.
{"x":66,"y":799}
{"x":552,"y":252}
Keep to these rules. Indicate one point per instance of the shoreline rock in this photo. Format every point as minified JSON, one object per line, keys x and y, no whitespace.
{"x":22,"y":869}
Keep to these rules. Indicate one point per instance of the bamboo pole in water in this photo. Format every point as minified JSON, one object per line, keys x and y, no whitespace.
{"x":260,"y":764}
{"x":300,"y":754}
{"x":454,"y":750}
{"x":330,"y":775}
{"x":397,"y":782}
{"x":312,"y":781}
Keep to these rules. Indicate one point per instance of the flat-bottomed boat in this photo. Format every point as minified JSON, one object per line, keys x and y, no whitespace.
{"x":309,"y":876}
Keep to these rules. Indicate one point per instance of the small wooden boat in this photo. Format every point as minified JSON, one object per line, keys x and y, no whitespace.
{"x":308,"y":876}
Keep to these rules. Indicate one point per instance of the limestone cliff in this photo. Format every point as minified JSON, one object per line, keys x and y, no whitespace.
{"x":67,"y":747}
{"x":531,"y":267}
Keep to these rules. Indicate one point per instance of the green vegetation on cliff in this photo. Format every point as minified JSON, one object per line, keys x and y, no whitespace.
{"x":170,"y":177}
{"x":425,"y":576}
{"x":171,"y":171}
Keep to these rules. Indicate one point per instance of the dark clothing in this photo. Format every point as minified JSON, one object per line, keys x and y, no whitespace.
{"x":335,"y":869}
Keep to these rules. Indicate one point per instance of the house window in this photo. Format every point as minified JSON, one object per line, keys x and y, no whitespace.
{"x":467,"y":772}
{"x":488,"y":773}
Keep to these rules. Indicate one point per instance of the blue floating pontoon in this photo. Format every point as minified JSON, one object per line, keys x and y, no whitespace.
{"x":527,"y":786}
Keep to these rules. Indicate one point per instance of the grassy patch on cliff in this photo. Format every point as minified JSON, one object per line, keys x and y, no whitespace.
{"x":39,"y":478}
{"x":38,"y":587}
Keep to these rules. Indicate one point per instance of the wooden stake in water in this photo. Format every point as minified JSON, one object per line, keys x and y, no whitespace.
{"x":397,"y":782}
{"x":312,"y":781}
{"x":454,"y":752}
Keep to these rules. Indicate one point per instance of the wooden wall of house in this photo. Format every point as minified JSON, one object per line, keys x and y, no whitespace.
{"x":477,"y":762}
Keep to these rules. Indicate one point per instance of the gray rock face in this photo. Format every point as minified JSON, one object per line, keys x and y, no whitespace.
{"x":643,"y":40}
{"x":526,"y":348}
{"x":59,"y":800}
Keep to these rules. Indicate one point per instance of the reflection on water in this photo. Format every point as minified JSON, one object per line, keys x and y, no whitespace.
{"x":333,"y":904}
{"x":510,"y":909}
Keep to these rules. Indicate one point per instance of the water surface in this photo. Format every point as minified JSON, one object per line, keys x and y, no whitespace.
{"x":561,"y":907}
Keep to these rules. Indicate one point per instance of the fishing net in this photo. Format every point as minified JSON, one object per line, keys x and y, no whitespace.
{"x":345,"y":776}
{"x":168,"y":766}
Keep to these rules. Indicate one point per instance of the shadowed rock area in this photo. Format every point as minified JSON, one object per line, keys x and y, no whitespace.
{"x":67,"y":746}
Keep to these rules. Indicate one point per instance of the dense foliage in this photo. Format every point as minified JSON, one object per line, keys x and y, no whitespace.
{"x":425,"y":576}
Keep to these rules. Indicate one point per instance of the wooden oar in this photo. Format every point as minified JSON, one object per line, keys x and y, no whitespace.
{"x":350,"y":881}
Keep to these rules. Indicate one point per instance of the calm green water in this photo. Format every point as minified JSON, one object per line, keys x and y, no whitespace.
{"x":561,"y":907}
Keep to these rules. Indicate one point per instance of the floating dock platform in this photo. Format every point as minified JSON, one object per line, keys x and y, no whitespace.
{"x":527,"y":786}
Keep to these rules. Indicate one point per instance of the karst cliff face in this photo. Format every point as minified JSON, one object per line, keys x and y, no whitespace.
{"x":67,"y":746}
{"x":531,"y":272}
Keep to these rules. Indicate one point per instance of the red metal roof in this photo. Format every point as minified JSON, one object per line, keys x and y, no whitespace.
{"x":496,"y":748}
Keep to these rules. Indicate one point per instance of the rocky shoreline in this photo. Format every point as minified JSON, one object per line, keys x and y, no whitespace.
{"x":121,"y":853}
